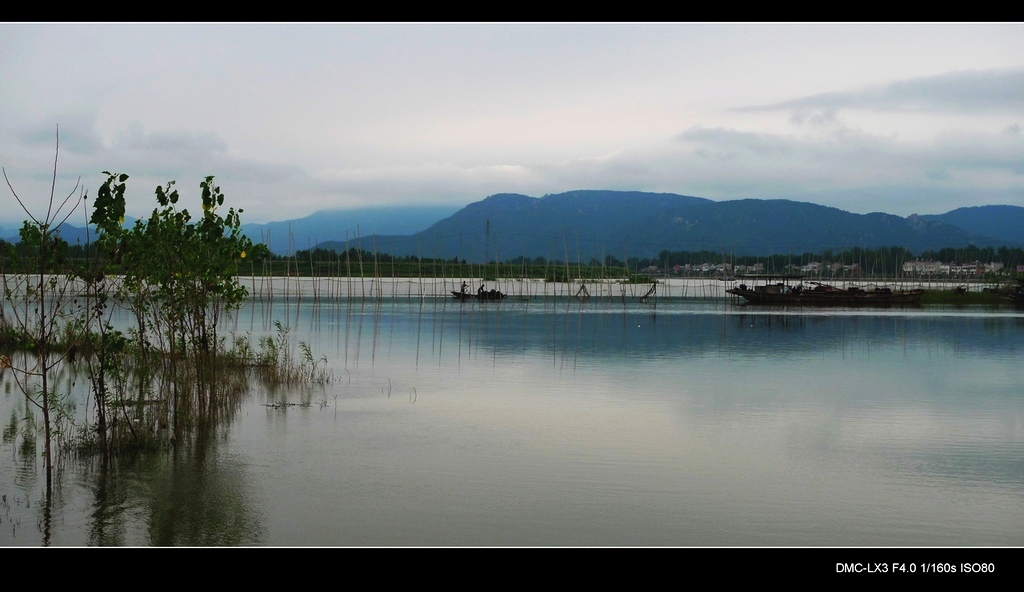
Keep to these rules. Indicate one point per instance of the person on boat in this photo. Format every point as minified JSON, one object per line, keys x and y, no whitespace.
{"x":463,"y":289}
{"x":480,"y":292}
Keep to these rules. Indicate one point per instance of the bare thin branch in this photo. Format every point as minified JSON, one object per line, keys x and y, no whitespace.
{"x":53,"y":184}
{"x":74,"y":190}
{"x":72,"y":210}
{"x":15,"y":194}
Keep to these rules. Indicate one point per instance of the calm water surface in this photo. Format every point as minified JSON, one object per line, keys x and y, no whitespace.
{"x":550,"y":422}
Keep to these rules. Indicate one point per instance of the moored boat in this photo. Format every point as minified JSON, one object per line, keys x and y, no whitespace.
{"x":819,"y":294}
{"x":1016,"y":294}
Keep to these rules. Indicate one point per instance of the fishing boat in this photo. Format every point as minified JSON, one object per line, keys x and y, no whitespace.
{"x":819,"y":294}
{"x":479,"y":295}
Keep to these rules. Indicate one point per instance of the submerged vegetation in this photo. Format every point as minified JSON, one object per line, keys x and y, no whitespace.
{"x":167,"y":377}
{"x":274,"y":362}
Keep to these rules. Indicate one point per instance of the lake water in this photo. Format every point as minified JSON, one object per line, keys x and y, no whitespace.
{"x":691,"y":421}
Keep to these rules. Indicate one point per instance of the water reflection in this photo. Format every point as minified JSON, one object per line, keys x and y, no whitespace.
{"x":569,"y":330}
{"x":195,"y":497}
{"x":559,"y":422}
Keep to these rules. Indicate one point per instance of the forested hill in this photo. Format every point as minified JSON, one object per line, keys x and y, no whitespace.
{"x":1004,"y":223}
{"x":593,"y":224}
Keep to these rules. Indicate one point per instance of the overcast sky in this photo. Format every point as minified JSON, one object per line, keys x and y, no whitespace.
{"x":295,"y":118}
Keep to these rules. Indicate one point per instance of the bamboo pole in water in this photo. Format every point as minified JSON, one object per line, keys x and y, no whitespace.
{"x":336,"y":271}
{"x":288,"y":265}
{"x":312,"y":271}
{"x":362,"y":276}
{"x":287,"y":271}
{"x":579,"y":263}
{"x":440,"y":247}
{"x":265,"y":265}
{"x":545,"y":287}
{"x":419,"y":272}
{"x":565,"y":248}
{"x":394,"y":279}
{"x":348,"y":265}
{"x":376,"y":272}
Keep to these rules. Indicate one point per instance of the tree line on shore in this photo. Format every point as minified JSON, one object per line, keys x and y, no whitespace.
{"x":360,"y":262}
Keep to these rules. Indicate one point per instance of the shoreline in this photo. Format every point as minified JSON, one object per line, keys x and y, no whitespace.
{"x":378,"y":288}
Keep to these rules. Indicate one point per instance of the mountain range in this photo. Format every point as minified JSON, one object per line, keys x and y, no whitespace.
{"x":593,"y":224}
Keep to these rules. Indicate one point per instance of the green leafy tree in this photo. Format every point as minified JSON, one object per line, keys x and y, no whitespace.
{"x":179,"y":276}
{"x":187,"y":271}
{"x":95,"y":273}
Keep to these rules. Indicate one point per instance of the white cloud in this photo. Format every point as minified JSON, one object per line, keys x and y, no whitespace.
{"x":973,"y":91}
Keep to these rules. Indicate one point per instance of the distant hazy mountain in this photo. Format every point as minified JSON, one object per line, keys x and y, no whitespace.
{"x":1005,"y":223}
{"x":592,"y":224}
{"x":331,"y":225}
{"x":69,"y":232}
{"x":301,"y":233}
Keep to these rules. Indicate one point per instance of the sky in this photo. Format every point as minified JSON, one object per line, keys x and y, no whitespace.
{"x":296,"y":118}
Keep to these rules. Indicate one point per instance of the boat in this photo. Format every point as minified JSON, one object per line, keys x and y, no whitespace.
{"x":819,"y":294}
{"x":1016,"y":294}
{"x":483,"y":295}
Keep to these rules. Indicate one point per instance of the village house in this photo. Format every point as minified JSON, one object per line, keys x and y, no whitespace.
{"x":929,"y":267}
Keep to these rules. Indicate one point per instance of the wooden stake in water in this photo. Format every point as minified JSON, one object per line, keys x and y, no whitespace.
{"x":362,"y":275}
{"x":348,"y":265}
